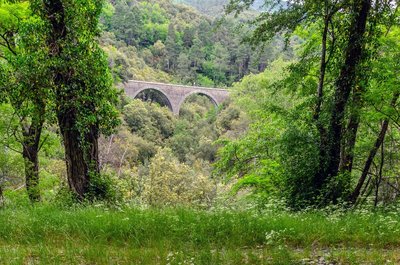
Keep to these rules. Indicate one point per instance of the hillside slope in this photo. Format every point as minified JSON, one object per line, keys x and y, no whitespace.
{"x":160,"y":41}
{"x":213,"y":7}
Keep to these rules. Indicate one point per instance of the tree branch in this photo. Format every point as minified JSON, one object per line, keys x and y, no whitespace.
{"x":8,"y":45}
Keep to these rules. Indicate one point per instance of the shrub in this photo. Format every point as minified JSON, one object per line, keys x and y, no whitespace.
{"x":170,"y":182}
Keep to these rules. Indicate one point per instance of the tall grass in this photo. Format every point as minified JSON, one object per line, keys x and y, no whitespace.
{"x":45,"y":234}
{"x":148,"y":227}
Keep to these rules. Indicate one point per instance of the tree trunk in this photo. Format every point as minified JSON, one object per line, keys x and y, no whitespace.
{"x":82,"y":156}
{"x":380,"y":175}
{"x":344,"y":85}
{"x":322,"y":72}
{"x":320,"y":95}
{"x":1,"y":195}
{"x":378,"y":142}
{"x":30,"y":151}
{"x":347,"y":156}
{"x":81,"y":148}
{"x":31,"y":162}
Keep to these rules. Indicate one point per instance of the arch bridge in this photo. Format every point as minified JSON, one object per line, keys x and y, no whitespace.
{"x":176,"y":94}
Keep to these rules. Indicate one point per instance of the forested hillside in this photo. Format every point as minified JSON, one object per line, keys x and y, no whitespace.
{"x":207,"y":7}
{"x":162,"y":41}
{"x":215,"y":7}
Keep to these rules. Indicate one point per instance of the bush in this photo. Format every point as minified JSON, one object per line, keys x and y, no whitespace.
{"x":103,"y":187}
{"x":170,"y":182}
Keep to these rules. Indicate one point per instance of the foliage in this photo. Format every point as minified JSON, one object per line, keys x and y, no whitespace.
{"x":130,"y":154}
{"x":323,"y":93}
{"x":24,"y":83}
{"x":215,"y":7}
{"x":127,"y":63}
{"x":170,"y":182}
{"x":164,"y":41}
{"x":11,"y":164}
{"x":153,"y":123}
{"x":254,"y":157}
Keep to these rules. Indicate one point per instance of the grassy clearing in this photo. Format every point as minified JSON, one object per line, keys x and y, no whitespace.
{"x":95,"y":235}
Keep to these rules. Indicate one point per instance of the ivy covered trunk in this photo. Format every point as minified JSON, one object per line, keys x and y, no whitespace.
{"x":80,"y":141}
{"x":30,"y":154}
{"x":1,"y":195}
{"x":82,"y":155}
{"x":30,"y":151}
{"x":83,"y":89}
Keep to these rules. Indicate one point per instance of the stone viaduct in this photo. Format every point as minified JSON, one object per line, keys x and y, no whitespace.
{"x":176,"y":94}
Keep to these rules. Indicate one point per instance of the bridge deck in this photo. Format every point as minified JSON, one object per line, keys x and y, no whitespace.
{"x":177,"y":85}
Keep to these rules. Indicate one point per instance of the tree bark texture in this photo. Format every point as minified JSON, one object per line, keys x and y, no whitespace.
{"x":81,"y":156}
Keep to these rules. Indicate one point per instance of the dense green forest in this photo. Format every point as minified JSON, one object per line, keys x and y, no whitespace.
{"x":162,"y":41}
{"x":299,"y":166}
{"x":216,"y":8}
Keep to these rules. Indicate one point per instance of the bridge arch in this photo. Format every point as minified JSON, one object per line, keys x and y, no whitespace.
{"x":160,"y":92}
{"x":197,"y":92}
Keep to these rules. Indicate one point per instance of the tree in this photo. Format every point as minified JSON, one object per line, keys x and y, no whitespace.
{"x":345,"y":83}
{"x":170,"y":182}
{"x":344,"y":33}
{"x":386,"y":75}
{"x":24,"y":83}
{"x":172,"y":47}
{"x":82,"y":87}
{"x":255,"y":158}
{"x":150,"y":121}
{"x":218,"y":69}
{"x":126,"y":22}
{"x":184,"y":69}
{"x":188,"y":36}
